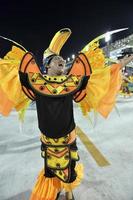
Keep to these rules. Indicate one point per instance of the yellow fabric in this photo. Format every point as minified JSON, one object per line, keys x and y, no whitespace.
{"x":54,"y":85}
{"x":68,"y":139}
{"x":74,"y":155}
{"x":96,"y":88}
{"x":22,"y":111}
{"x":15,"y":54}
{"x":58,"y":157}
{"x":108,"y":101}
{"x":54,"y":158}
{"x":103,"y":84}
{"x":96,"y":57}
{"x":11,"y":94}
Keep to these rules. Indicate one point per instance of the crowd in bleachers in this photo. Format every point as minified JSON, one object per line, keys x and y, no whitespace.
{"x":121,"y":43}
{"x":127,"y":82}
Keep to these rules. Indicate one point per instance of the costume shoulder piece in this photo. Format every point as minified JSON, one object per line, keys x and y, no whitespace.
{"x":28,"y":65}
{"x":55,"y":86}
{"x":81,"y":66}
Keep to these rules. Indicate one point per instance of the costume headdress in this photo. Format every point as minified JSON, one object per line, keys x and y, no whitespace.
{"x":56,"y":45}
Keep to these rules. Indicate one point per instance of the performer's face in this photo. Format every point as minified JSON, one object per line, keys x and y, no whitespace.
{"x":56,"y":66}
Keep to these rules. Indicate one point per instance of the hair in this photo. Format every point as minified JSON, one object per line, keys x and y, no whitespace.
{"x":46,"y":61}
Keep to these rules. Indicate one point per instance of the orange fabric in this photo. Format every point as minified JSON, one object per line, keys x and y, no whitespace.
{"x":59,"y":154}
{"x":70,"y":186}
{"x":108,"y":101}
{"x":86,"y":64}
{"x":95,"y":56}
{"x":77,"y":68}
{"x":11,"y":94}
{"x":5,"y":104}
{"x":80,"y":66}
{"x":46,"y":188}
{"x":29,"y":93}
{"x":29,"y":64}
{"x":96,"y":89}
{"x":80,"y":96}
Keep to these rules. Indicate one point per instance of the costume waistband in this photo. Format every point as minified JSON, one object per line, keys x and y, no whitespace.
{"x":60,"y":156}
{"x":66,"y":140}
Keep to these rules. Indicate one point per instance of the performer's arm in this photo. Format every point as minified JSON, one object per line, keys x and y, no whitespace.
{"x":125,"y":60}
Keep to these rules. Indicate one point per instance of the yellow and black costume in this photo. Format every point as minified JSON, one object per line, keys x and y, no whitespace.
{"x":90,"y":82}
{"x":54,"y":96}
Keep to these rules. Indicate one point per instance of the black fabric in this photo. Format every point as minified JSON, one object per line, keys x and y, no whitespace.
{"x":24,"y":80}
{"x":84,"y":82}
{"x":48,"y":172}
{"x":73,"y":173}
{"x":55,"y":115}
{"x":72,"y":146}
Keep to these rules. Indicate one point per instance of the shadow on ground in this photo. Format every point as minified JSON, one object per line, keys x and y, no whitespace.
{"x":21,"y":196}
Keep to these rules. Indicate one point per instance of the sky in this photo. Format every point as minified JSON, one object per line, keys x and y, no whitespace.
{"x":33,"y":24}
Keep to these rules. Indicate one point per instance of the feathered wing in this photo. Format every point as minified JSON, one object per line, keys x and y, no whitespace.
{"x":11,"y":94}
{"x":104,"y":82}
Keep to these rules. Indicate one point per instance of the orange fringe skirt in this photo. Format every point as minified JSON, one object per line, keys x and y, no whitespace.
{"x":48,"y":188}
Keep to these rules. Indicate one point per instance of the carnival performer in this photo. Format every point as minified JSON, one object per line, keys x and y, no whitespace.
{"x":90,"y":82}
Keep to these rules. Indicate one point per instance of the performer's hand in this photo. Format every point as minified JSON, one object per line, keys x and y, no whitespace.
{"x":124,"y":61}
